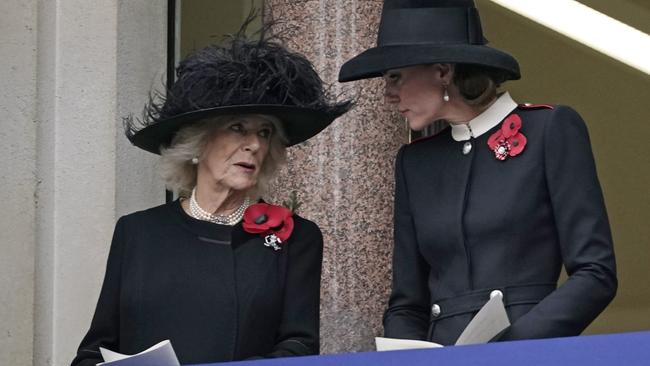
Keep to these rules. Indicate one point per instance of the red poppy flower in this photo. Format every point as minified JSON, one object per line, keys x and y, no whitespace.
{"x":511,"y":125}
{"x":517,"y":142}
{"x":508,"y":141}
{"x":265,"y":219}
{"x":495,"y":139}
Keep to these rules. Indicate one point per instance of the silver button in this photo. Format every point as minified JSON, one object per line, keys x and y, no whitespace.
{"x":496,"y":293}
{"x":435,"y":310}
{"x":467,"y":147}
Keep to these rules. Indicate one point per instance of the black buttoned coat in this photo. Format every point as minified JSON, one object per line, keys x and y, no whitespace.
{"x":216,"y":292}
{"x":466,"y":225}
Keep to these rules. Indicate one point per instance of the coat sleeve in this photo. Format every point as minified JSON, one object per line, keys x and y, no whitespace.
{"x":298,"y":334}
{"x":104,"y":328}
{"x":407,"y":315}
{"x":583,"y":232}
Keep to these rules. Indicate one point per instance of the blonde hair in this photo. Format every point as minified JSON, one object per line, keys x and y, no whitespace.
{"x":179,"y":173}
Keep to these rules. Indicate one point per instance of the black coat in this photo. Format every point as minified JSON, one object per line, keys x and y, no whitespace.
{"x":216,"y":292}
{"x":466,"y":225}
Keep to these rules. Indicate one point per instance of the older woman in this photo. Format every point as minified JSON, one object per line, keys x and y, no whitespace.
{"x":493,"y":205}
{"x":220,"y":273}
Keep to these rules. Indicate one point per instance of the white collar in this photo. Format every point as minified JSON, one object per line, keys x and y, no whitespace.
{"x":489,"y":118}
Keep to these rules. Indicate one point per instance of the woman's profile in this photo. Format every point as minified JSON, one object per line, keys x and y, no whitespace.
{"x":495,"y":204}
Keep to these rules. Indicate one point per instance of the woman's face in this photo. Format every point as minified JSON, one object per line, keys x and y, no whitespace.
{"x":416,"y":92}
{"x":235,"y":153}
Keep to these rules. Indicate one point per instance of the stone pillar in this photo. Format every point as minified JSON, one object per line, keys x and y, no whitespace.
{"x":344,"y":176}
{"x":72,"y":68}
{"x":141,"y":66}
{"x":17,"y":179}
{"x":75,"y":165}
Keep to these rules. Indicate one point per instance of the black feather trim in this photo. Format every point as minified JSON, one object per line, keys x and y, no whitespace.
{"x":242,"y":70}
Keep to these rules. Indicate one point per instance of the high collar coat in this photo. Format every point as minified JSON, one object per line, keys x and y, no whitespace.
{"x":218,"y":293}
{"x":469,"y":224}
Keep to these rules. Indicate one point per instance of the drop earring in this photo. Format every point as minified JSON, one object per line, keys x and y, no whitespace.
{"x":195,"y":160}
{"x":409,"y":132}
{"x":445,"y":95}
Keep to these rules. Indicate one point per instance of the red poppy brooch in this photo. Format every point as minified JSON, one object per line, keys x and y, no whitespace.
{"x":508,"y":141}
{"x":273,"y":223}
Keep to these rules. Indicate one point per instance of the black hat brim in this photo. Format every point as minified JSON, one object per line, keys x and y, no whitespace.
{"x":299,"y":123}
{"x":375,"y":61}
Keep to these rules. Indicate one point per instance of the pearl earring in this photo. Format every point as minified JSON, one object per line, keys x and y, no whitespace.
{"x":195,"y":160}
{"x":445,"y":95}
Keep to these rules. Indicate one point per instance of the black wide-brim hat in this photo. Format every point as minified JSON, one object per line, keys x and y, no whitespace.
{"x":298,"y":123}
{"x":239,"y":77}
{"x":416,"y":32}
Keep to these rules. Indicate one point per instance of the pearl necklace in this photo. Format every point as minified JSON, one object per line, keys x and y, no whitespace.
{"x":198,"y":213}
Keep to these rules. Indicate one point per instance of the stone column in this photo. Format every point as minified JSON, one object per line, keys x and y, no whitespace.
{"x":141,"y":66}
{"x":75,"y":198}
{"x":17,"y":179}
{"x":344,"y":176}
{"x":94,"y":62}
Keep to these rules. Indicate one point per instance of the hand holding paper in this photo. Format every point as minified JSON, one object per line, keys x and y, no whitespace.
{"x":488,"y":322}
{"x":161,"y":354}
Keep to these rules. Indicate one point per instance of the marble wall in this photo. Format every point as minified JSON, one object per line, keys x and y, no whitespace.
{"x":344,"y":176}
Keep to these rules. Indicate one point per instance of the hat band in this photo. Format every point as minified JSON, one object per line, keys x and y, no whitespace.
{"x":430,"y":26}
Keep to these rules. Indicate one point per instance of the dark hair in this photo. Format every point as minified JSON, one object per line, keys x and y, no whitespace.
{"x":478,"y":84}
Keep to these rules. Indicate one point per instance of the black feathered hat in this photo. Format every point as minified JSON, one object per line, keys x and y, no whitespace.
{"x":415,"y":32}
{"x":241,"y":76}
